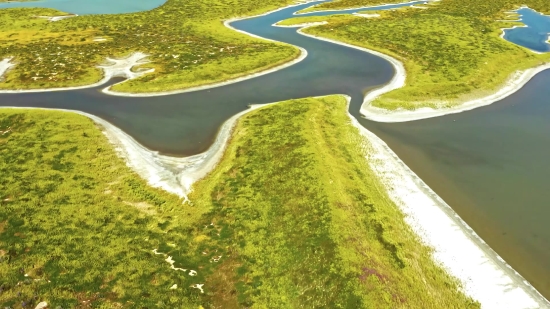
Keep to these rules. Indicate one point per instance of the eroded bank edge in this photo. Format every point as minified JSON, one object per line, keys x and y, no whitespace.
{"x":173,"y":174}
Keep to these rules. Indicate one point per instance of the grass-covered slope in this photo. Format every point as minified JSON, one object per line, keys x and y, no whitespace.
{"x":291,"y":217}
{"x":186,"y":40}
{"x":452,"y":51}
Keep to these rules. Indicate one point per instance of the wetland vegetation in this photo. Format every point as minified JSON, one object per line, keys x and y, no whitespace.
{"x":452,"y":51}
{"x":292,"y":216}
{"x":186,"y":41}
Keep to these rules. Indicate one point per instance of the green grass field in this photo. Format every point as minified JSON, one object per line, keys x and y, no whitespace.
{"x":186,"y":40}
{"x":452,"y":51}
{"x":292,"y":217}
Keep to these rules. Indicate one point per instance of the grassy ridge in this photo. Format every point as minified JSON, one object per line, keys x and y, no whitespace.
{"x":452,"y":51}
{"x":301,"y":221}
{"x":292,"y":217}
{"x":186,"y":40}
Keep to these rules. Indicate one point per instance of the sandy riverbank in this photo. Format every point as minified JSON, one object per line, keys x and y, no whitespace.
{"x":483,"y":274}
{"x":173,"y":174}
{"x":227,"y":23}
{"x":122,"y":67}
{"x":358,"y":8}
{"x":514,"y":83}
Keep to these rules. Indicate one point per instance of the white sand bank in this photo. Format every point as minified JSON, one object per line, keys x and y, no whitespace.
{"x":175,"y":175}
{"x":122,"y":67}
{"x":483,"y":274}
{"x":357,"y":7}
{"x":113,"y":68}
{"x":5,"y":65}
{"x":57,"y":18}
{"x":514,"y":83}
{"x":303,"y":55}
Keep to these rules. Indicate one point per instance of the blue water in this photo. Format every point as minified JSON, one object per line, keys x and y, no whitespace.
{"x":535,"y":35}
{"x":88,"y":7}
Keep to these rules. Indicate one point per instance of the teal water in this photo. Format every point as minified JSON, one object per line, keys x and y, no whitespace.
{"x":87,"y":7}
{"x":535,"y":35}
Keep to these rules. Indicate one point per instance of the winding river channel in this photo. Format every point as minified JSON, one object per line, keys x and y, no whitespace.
{"x":489,"y":164}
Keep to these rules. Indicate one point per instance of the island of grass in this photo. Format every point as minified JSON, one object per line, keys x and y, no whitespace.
{"x":451,"y":50}
{"x":186,"y":42}
{"x":293,"y":216}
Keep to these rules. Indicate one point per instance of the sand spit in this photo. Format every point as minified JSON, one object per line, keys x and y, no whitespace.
{"x":122,"y":67}
{"x":462,"y":253}
{"x":57,"y":18}
{"x":303,"y":55}
{"x":5,"y":65}
{"x":173,"y":174}
{"x":112,"y":68}
{"x":366,"y":15}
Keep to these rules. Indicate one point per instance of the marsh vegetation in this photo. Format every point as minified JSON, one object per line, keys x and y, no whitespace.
{"x":292,"y":216}
{"x":452,"y":51}
{"x":187,"y":43}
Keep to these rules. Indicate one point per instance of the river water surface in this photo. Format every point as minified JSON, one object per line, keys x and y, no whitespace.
{"x":489,"y":164}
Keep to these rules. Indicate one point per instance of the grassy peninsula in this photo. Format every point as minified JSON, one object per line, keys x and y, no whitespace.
{"x":291,"y":217}
{"x":186,"y":41}
{"x":452,"y":51}
{"x":346,"y":4}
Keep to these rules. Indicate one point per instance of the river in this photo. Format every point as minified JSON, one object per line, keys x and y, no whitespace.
{"x":488,"y":164}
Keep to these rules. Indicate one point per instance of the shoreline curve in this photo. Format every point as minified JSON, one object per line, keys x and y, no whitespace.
{"x":515,"y":82}
{"x":483,"y":274}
